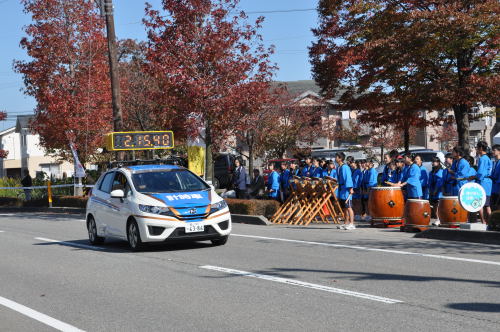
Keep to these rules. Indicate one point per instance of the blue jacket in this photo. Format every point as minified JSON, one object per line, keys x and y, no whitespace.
{"x":273,"y":182}
{"x":331,"y":173}
{"x":495,"y":178}
{"x":412,"y":179}
{"x":357,"y":178}
{"x":448,"y":183}
{"x":317,"y":172}
{"x":307,"y":171}
{"x":436,"y":184}
{"x":240,"y":179}
{"x":369,"y":180}
{"x":484,"y":167}
{"x":424,"y":179}
{"x":387,"y":174}
{"x":462,"y":172}
{"x":285,"y":176}
{"x":345,"y":181}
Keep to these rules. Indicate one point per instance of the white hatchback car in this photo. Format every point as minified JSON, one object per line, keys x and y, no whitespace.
{"x":156,"y":203}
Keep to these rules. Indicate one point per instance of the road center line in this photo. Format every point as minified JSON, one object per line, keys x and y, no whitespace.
{"x":460,"y":259}
{"x":42,"y":318}
{"x":71,"y":244}
{"x":301,"y":284}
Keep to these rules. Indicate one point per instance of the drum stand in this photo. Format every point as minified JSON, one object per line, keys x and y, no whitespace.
{"x":311,"y":200}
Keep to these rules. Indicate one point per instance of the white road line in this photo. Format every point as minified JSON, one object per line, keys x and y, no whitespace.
{"x":42,"y":318}
{"x":7,"y":214}
{"x":301,"y":284}
{"x":460,"y":259}
{"x":71,"y":244}
{"x":2,"y":231}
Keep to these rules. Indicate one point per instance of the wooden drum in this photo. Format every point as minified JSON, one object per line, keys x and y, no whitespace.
{"x":386,"y":206}
{"x":417,"y":214}
{"x":451,"y":213}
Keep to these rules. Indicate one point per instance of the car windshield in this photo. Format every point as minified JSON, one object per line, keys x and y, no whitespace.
{"x":168,"y":181}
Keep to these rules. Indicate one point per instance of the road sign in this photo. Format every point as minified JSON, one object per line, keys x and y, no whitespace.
{"x":472,"y":197}
{"x":139,"y":140}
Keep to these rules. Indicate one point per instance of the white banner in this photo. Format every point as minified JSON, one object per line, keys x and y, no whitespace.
{"x":79,"y":170}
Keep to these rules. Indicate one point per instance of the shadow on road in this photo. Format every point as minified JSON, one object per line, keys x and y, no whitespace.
{"x":113,"y":246}
{"x":290,"y":273}
{"x":476,"y":306}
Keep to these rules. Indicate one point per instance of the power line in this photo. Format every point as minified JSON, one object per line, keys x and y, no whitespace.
{"x":283,"y":11}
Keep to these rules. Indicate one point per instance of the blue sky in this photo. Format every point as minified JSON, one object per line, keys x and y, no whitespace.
{"x":289,"y":31}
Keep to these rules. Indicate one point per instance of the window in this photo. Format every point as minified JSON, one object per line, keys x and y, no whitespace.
{"x":107,"y":182}
{"x":168,"y":181}
{"x":52,"y":170}
{"x":120,"y":182}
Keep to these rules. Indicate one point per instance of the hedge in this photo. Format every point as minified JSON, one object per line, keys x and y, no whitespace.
{"x":253,"y":206}
{"x":57,"y":201}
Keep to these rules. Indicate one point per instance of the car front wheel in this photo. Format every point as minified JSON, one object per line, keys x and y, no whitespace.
{"x":92,"y":231}
{"x":220,"y":241}
{"x":133,"y":236}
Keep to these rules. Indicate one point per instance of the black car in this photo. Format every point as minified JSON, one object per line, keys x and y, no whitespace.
{"x":223,"y":170}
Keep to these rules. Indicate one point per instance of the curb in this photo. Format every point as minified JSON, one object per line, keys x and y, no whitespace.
{"x":253,"y":220}
{"x":68,"y":210}
{"x":448,"y":234}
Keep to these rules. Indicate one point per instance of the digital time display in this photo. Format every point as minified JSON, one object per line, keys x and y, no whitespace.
{"x":140,"y":140}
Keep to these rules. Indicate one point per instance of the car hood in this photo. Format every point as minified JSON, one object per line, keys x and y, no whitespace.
{"x":185,"y":199}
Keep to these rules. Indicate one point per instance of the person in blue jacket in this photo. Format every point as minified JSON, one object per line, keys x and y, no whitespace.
{"x":345,"y":190}
{"x":285,"y":177}
{"x":483,"y":177}
{"x":448,"y":181}
{"x":400,"y":167}
{"x":495,"y":177}
{"x":273,"y":183}
{"x":388,"y":172}
{"x":370,"y":179}
{"x":393,"y":173}
{"x":460,"y":170}
{"x":317,"y":171}
{"x":307,"y":169}
{"x":357,"y":178}
{"x":472,"y":170}
{"x":435,"y":185}
{"x":330,"y":170}
{"x":411,"y":178}
{"x":424,"y":177}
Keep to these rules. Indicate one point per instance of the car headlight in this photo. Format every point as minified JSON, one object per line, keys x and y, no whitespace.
{"x":156,"y":210}
{"x":218,"y":206}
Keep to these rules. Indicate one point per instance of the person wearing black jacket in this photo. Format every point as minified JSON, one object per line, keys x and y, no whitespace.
{"x":240,"y":180}
{"x":27,"y":182}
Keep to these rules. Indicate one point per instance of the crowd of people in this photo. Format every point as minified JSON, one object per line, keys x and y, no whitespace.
{"x":356,"y":177}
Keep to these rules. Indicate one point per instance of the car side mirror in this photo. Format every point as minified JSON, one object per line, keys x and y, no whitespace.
{"x":118,"y":193}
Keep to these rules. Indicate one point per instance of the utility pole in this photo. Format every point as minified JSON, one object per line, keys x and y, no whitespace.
{"x":106,"y":7}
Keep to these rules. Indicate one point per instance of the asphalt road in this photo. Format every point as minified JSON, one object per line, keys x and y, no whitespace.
{"x":274,"y":278}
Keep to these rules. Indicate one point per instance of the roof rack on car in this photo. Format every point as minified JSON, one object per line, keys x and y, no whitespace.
{"x":157,"y":161}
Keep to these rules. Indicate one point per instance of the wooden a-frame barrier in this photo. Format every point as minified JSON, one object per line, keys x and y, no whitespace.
{"x":310,"y":200}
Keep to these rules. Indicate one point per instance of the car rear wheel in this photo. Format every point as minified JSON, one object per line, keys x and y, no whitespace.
{"x":133,"y":236}
{"x":92,"y":231}
{"x":220,"y":241}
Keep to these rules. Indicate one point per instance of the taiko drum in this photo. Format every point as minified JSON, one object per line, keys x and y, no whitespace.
{"x":386,"y":205}
{"x":417,"y":214}
{"x":451,"y":213}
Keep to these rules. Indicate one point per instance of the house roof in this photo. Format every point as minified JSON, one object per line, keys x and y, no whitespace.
{"x":23,"y":122}
{"x":7,"y":131}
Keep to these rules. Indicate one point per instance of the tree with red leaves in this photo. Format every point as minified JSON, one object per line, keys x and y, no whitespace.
{"x":436,"y":55}
{"x":207,"y":62}
{"x":67,"y":75}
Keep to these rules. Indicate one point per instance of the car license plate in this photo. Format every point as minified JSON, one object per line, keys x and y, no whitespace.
{"x":194,"y":228}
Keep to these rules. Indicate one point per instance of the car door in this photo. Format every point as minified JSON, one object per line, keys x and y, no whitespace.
{"x":121,"y":206}
{"x":100,"y":197}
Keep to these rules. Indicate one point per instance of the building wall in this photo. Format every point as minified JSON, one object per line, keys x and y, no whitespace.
{"x":31,"y":156}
